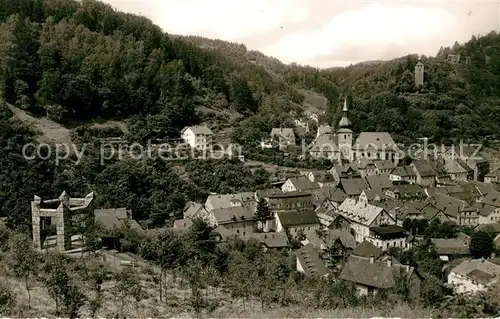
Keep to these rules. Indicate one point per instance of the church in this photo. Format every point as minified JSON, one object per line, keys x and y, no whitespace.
{"x":339,"y":146}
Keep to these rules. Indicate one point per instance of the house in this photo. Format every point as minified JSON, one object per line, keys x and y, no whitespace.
{"x":329,"y":197}
{"x":219,"y":201}
{"x":455,"y":209}
{"x":371,"y":196}
{"x":370,"y":276}
{"x":332,"y":220}
{"x":388,"y":236}
{"x":365,"y":167}
{"x":238,"y":218}
{"x":468,"y":192}
{"x":328,"y":239}
{"x":194,"y":210}
{"x":425,"y":172}
{"x":375,"y":145}
{"x":309,"y":262}
{"x":284,"y":136}
{"x":299,"y":184}
{"x":269,"y":241}
{"x":474,"y":275}
{"x":493,"y":176}
{"x":456,"y":171}
{"x":111,"y":221}
{"x":489,"y":208}
{"x":354,"y":187}
{"x":363,"y":216}
{"x":198,"y":137}
{"x":320,"y":177}
{"x":384,"y":166}
{"x":289,"y":201}
{"x":379,"y":181}
{"x":403,"y":173}
{"x":448,"y":248}
{"x":295,"y":221}
{"x":406,"y":192}
{"x":470,"y":154}
{"x":345,"y":171}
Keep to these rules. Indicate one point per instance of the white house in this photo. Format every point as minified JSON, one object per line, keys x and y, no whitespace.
{"x":299,"y":184}
{"x":363,"y":216}
{"x":198,"y":137}
{"x":473,"y":275}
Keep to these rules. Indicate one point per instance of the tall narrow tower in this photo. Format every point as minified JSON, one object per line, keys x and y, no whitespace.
{"x":419,"y":73}
{"x":344,"y":135}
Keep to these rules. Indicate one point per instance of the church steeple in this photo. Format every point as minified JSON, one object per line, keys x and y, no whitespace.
{"x":344,"y":121}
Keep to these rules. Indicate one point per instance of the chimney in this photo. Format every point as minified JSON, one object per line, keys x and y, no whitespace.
{"x":493,"y":255}
{"x":389,"y":262}
{"x":372,"y":259}
{"x":482,"y":259}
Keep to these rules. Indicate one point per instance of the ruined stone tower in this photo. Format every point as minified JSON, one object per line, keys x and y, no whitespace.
{"x":419,"y":73}
{"x":60,"y":215}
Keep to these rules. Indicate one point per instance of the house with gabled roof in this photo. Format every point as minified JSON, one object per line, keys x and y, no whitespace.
{"x":406,"y":192}
{"x":471,"y":155}
{"x":448,"y":248}
{"x":363,"y":216}
{"x":218,"y":201}
{"x":474,"y":275}
{"x":493,"y":176}
{"x":365,"y":167}
{"x":321,"y":177}
{"x":295,"y":221}
{"x":310,"y":263}
{"x":239,"y":218}
{"x":299,"y":184}
{"x":354,"y":187}
{"x":381,"y":181}
{"x":456,"y":171}
{"x":403,"y":174}
{"x":332,"y":220}
{"x":372,"y":196}
{"x":344,"y":171}
{"x":455,"y":209}
{"x":489,"y":208}
{"x":375,"y":145}
{"x":384,"y":166}
{"x":370,"y":276}
{"x":193,"y":210}
{"x":198,"y":137}
{"x":425,"y":172}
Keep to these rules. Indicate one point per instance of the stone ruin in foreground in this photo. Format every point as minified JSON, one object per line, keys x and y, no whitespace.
{"x":61,"y":215}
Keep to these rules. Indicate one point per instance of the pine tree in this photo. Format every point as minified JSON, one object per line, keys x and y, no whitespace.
{"x":263,"y":212}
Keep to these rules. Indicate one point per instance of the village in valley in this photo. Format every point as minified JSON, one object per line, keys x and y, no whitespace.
{"x":350,"y":223}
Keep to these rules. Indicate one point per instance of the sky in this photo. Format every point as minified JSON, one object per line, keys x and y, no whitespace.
{"x":325,"y":33}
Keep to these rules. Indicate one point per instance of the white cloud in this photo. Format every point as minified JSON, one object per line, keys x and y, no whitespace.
{"x":372,"y":31}
{"x":324,"y":33}
{"x":227,"y":19}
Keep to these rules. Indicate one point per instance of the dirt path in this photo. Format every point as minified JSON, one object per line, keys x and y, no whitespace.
{"x":50,"y":130}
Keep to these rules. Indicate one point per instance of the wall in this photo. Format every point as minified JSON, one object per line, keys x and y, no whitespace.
{"x":386,"y":244}
{"x":188,"y":137}
{"x":288,"y":187}
{"x":492,"y":218}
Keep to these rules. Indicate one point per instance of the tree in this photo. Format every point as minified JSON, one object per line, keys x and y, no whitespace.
{"x":61,"y":286}
{"x":7,"y":298}
{"x":127,"y":286}
{"x":481,"y":245}
{"x":23,"y":260}
{"x":263,"y":213}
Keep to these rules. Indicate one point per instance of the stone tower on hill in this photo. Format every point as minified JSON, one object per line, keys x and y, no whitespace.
{"x":419,"y":73}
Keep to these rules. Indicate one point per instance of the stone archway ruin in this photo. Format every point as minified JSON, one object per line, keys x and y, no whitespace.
{"x":61,"y":215}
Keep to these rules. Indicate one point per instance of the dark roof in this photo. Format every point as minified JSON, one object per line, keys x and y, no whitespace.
{"x":489,"y":228}
{"x":116,"y":218}
{"x":492,"y":198}
{"x":409,"y":190}
{"x":384,"y":164}
{"x":451,"y":246}
{"x":232,"y":214}
{"x":378,"y":274}
{"x":388,"y":230}
{"x":332,"y":193}
{"x":303,"y":183}
{"x":354,"y":186}
{"x":379,"y":181}
{"x":322,"y":176}
{"x":289,"y":194}
{"x":311,"y":262}
{"x":403,"y":171}
{"x":367,"y":249}
{"x":424,"y":168}
{"x":298,"y":217}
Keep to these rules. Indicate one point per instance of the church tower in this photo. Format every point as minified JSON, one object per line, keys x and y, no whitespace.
{"x":344,"y":135}
{"x":419,"y":73}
